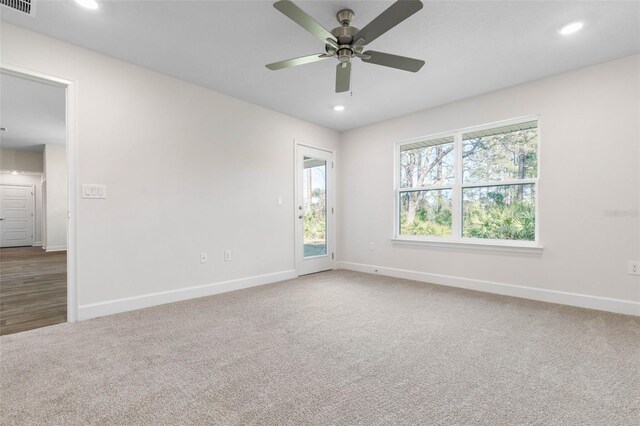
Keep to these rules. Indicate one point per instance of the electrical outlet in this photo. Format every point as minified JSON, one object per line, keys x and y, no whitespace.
{"x":227,"y":255}
{"x":203,"y":257}
{"x":634,"y":267}
{"x":372,"y":246}
{"x":279,"y":200}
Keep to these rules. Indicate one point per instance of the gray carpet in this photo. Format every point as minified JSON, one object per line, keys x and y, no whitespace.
{"x":332,"y":348}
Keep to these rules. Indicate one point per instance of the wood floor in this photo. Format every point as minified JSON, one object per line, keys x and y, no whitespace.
{"x":33,"y":288}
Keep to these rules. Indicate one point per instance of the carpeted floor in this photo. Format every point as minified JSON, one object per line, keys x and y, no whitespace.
{"x":331,"y":348}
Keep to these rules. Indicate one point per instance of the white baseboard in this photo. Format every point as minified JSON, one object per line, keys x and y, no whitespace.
{"x":544,"y":295}
{"x":94,"y":310}
{"x":55,"y":248}
{"x":37,"y":244}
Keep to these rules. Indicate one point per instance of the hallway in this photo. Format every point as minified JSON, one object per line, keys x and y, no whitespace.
{"x":33,"y":288}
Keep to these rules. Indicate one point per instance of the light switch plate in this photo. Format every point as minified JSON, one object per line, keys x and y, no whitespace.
{"x":91,"y":190}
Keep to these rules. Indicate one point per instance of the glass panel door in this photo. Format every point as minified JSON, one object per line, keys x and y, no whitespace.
{"x":314,"y":192}
{"x":315,"y":230}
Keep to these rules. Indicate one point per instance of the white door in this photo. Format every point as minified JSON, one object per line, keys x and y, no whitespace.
{"x":315,"y":212}
{"x":16,"y":215}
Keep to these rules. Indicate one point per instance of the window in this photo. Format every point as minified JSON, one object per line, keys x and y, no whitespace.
{"x":472,"y":185}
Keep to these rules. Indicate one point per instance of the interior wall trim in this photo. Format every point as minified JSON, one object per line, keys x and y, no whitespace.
{"x":618,"y":306}
{"x":94,"y":310}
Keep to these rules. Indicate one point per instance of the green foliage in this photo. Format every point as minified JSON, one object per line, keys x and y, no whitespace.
{"x":499,"y":221}
{"x":496,"y":197}
{"x":516,"y":221}
{"x":426,"y":222}
{"x":418,"y":227}
{"x":315,"y":223}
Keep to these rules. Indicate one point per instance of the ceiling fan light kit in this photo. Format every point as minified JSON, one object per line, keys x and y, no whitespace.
{"x":345,"y":42}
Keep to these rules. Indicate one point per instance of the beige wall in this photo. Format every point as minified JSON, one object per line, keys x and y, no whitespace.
{"x":55,"y":197}
{"x":590,"y":163}
{"x":23,"y":161}
{"x":187,"y":170}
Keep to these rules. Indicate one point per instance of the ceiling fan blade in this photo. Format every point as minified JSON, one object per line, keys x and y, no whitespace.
{"x":396,"y":13}
{"x":301,"y":18}
{"x":343,"y":77}
{"x":297,"y":61}
{"x":393,"y":61}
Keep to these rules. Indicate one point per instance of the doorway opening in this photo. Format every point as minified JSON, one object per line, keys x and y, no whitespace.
{"x":34,"y":203}
{"x":315,"y":211}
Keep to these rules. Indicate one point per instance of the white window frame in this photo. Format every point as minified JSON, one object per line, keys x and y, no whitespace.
{"x":456,"y":240}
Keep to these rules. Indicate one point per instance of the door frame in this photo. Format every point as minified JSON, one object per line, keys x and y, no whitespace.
{"x":298,"y":254}
{"x":33,"y":206}
{"x":72,"y":172}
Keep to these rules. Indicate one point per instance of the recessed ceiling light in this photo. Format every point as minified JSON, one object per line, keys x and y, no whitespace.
{"x":89,"y":4}
{"x":14,"y":172}
{"x":338,"y":108}
{"x":571,"y":28}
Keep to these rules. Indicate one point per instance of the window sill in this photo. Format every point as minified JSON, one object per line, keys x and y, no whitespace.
{"x":502,"y":246}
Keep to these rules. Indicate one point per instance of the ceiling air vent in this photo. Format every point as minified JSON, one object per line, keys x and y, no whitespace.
{"x":24,"y":6}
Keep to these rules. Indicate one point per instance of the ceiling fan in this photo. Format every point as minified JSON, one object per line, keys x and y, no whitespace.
{"x":346,"y":42}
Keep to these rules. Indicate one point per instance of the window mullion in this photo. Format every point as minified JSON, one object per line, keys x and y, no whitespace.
{"x":456,"y":216}
{"x":425,"y":188}
{"x":396,"y":204}
{"x":526,"y":181}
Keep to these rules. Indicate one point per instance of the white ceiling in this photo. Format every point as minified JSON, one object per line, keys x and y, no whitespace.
{"x":32,"y":112}
{"x":470,"y":47}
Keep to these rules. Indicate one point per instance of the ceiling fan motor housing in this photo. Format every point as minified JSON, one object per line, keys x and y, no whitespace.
{"x":344,"y":35}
